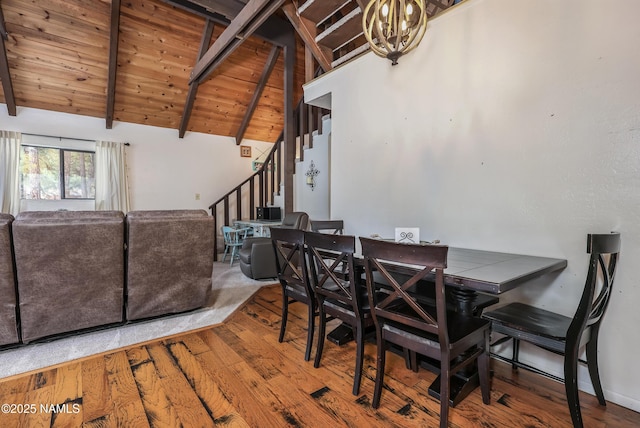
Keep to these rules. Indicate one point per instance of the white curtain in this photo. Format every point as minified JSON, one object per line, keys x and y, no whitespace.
{"x":10,"y":172}
{"x":112,"y":187}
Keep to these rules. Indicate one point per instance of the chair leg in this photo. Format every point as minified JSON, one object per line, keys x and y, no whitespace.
{"x":445,"y":382}
{"x":224,"y":256}
{"x":357,"y":376}
{"x":233,"y":256}
{"x":410,"y":360}
{"x":414,"y":361}
{"x":592,"y":364}
{"x":321,"y":332}
{"x":516,"y":353}
{"x":377,"y":390}
{"x":484,"y":372}
{"x":571,"y":383}
{"x":285,"y":313}
{"x":407,"y":358}
{"x":310,"y":327}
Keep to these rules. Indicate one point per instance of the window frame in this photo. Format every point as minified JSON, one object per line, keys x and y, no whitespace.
{"x":61,"y":151}
{"x":62,"y":174}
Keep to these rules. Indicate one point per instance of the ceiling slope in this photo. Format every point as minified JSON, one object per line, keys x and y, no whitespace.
{"x":209,"y":66}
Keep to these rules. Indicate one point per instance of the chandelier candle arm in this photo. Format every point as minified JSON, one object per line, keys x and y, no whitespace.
{"x":394,"y":27}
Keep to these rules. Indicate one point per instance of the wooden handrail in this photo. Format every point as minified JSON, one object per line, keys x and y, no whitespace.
{"x":270,"y":174}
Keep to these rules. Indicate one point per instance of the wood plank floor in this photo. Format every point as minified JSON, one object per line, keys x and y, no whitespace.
{"x":237,"y":374}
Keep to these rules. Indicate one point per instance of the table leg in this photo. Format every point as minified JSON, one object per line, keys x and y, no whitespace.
{"x":464,"y":300}
{"x":341,"y":334}
{"x":466,"y":380}
{"x":461,"y":385}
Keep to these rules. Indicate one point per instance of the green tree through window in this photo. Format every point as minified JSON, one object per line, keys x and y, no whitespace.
{"x":51,"y":173}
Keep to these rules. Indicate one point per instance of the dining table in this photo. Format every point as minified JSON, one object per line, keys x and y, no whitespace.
{"x":259,"y":228}
{"x":474,"y":272}
{"x":472,"y":275}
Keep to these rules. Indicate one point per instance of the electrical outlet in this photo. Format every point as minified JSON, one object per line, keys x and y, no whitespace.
{"x":197,"y":196}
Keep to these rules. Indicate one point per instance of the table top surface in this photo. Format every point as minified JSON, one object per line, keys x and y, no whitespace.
{"x":259,"y":222}
{"x":494,"y":272}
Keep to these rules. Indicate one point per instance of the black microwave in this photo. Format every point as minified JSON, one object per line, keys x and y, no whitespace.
{"x":268,"y":213}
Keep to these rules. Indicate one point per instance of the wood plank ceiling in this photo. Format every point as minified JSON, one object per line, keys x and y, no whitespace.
{"x":210,"y":66}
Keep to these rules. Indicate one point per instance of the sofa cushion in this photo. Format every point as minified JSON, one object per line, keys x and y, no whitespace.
{"x":70,"y":270}
{"x":169,"y":261}
{"x":245,"y":255}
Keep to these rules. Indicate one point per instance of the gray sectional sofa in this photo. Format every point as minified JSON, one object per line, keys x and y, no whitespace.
{"x":67,"y":271}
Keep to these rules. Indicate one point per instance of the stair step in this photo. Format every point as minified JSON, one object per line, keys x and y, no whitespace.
{"x":350,"y":27}
{"x":319,"y":10}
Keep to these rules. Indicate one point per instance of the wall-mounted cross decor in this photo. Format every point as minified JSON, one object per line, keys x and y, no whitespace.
{"x":311,"y":174}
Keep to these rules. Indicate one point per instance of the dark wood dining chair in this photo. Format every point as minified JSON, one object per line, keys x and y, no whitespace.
{"x":339,"y":290}
{"x":335,"y":227}
{"x":453,"y":339}
{"x":565,"y":335}
{"x":288,"y":245}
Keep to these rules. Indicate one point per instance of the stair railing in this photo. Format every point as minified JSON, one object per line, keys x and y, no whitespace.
{"x":261,"y":188}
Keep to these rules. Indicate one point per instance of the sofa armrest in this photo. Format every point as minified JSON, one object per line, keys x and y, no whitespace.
{"x":8,"y":317}
{"x":249,"y":242}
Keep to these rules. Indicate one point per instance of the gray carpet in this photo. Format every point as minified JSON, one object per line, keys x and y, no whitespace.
{"x":230,"y":290}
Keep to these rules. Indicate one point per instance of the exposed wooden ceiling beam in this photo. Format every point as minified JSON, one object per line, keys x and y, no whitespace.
{"x":289,"y":124}
{"x":5,"y":75}
{"x":199,"y":10}
{"x":226,"y":8}
{"x":271,"y":31}
{"x":113,"y":61}
{"x":257,"y":93}
{"x":308,"y":33}
{"x":193,"y":86}
{"x":309,"y":65}
{"x":246,"y":22}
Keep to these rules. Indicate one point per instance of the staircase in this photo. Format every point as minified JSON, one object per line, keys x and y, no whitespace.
{"x":332,"y":29}
{"x":264,"y":186}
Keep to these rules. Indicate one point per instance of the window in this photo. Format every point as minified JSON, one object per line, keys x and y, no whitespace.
{"x":53,"y":173}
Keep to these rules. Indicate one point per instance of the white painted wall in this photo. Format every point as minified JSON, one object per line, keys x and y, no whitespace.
{"x":165,"y":172}
{"x":513,"y":127}
{"x":315,"y":202}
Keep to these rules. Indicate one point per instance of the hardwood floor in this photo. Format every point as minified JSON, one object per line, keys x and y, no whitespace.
{"x":237,"y":374}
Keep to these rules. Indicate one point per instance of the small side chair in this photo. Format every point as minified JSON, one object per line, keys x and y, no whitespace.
{"x":454,"y":339}
{"x":339,"y":291}
{"x":565,"y":335}
{"x":335,"y":227}
{"x":291,"y":264}
{"x":233,"y":239}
